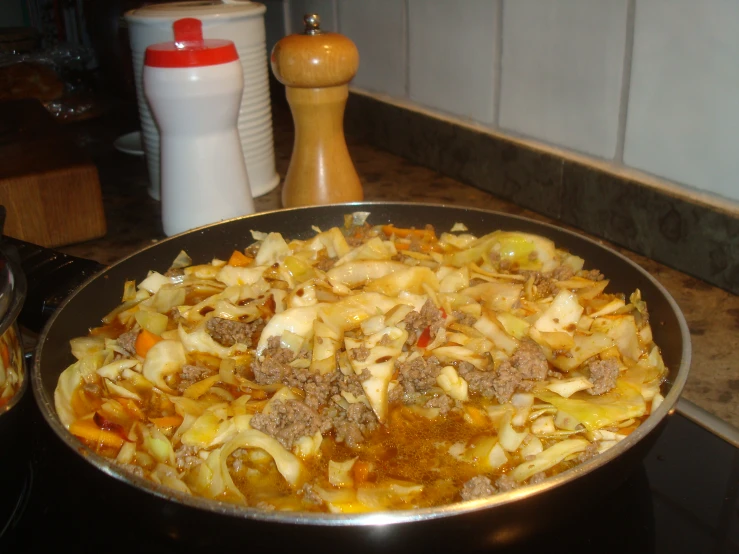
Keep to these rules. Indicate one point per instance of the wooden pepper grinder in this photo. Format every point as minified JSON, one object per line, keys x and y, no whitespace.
{"x":315,"y":68}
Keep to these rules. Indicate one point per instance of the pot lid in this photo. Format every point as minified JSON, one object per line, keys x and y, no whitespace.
{"x":202,"y":9}
{"x":189,"y":49}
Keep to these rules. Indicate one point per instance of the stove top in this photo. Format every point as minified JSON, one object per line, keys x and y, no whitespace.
{"x":683,"y":498}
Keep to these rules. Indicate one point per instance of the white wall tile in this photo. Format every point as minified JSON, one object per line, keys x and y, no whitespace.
{"x":683,"y":113}
{"x":562,"y":69}
{"x":324,"y":9}
{"x":377,"y":27}
{"x":456,"y":76}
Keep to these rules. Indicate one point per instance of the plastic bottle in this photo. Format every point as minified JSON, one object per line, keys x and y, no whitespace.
{"x":194,"y":88}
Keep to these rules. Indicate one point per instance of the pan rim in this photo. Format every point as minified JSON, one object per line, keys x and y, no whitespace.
{"x":667,"y":407}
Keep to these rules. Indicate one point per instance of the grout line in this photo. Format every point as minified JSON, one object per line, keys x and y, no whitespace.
{"x":287,"y":14}
{"x":497,"y":63}
{"x":407,"y":46}
{"x":625,"y":81}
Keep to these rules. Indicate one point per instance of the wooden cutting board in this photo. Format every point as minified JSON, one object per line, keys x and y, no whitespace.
{"x":48,"y":185}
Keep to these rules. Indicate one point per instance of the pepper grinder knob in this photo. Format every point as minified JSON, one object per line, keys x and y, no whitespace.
{"x":316,"y":67}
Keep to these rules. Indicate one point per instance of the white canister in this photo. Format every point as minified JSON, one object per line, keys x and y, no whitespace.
{"x":194,"y":88}
{"x":241,"y":22}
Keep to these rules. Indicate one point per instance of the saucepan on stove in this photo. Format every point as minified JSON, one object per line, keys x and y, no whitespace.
{"x":479,"y":522}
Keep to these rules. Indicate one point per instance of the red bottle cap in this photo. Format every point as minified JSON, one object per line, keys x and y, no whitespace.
{"x":189,"y":49}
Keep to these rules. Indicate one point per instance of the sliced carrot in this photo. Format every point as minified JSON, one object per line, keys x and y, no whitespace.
{"x":238,"y":259}
{"x":627,"y":430}
{"x":424,"y":246}
{"x":5,"y":353}
{"x":425,"y":338}
{"x":144,"y":341}
{"x":360,"y":471}
{"x":88,"y":430}
{"x":131,"y":407}
{"x":166,"y":421}
{"x":399,"y":232}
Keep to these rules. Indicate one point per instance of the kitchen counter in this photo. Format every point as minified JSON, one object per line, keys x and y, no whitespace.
{"x":134,"y":222}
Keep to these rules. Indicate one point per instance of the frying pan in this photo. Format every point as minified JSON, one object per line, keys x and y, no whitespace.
{"x":477,"y":524}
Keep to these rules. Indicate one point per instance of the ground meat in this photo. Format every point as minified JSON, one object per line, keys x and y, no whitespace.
{"x":590,"y":452}
{"x":563,"y":272}
{"x":603,"y":375}
{"x":443,"y":402}
{"x":537,"y":478}
{"x":353,"y":425}
{"x":138,"y":471}
{"x":395,"y":394}
{"x":415,"y":322}
{"x":127,"y":342}
{"x":325,"y":264}
{"x":310,"y":496}
{"x":481,"y":382}
{"x":274,"y":368}
{"x":418,"y":375}
{"x":175,"y":315}
{"x":186,"y":457}
{"x":592,"y":274}
{"x":356,"y":235}
{"x":477,"y":487}
{"x":530,"y":361}
{"x":463,"y":318}
{"x":229,"y":332}
{"x":190,"y":374}
{"x":545,"y":285}
{"x":385,"y":340}
{"x":506,"y":483}
{"x":360,"y":354}
{"x":288,"y":421}
{"x":266,"y":506}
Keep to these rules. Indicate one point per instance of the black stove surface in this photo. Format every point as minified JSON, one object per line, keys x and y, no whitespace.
{"x":683,"y":498}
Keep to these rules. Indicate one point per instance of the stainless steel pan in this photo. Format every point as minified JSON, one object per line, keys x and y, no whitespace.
{"x":475,"y":524}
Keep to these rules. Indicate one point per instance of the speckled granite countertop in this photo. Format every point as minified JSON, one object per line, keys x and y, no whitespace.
{"x":134,"y":222}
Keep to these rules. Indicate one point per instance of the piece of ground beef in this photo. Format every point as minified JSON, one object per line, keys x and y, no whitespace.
{"x":562,"y":273}
{"x":360,"y":354}
{"x":463,"y":318}
{"x":481,"y":382}
{"x":603,"y":375}
{"x":418,"y":375}
{"x":288,"y":421}
{"x":590,"y":452}
{"x":416,"y":322}
{"x":186,"y":456}
{"x":353,"y":425}
{"x":127,"y":342}
{"x":506,"y":483}
{"x":592,"y":274}
{"x":477,"y":487}
{"x":310,"y":496}
{"x":537,"y":478}
{"x":444,"y":403}
{"x":190,"y":374}
{"x":228,"y":332}
{"x":324,"y":264}
{"x":530,"y":361}
{"x":274,"y":368}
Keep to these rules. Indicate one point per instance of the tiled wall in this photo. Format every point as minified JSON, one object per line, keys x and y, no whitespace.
{"x":651,"y":85}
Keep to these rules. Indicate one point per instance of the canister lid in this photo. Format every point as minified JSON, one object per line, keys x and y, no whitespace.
{"x":202,"y":9}
{"x":189,"y":49}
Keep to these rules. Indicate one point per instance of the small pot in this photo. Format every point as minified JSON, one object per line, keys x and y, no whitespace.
{"x":13,"y":386}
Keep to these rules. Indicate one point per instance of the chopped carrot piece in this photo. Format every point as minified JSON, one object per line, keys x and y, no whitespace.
{"x":144,"y":341}
{"x":88,"y":430}
{"x":238,"y":259}
{"x":425,"y":338}
{"x":131,"y":407}
{"x":360,"y":471}
{"x":167,"y":421}
{"x":391,"y":230}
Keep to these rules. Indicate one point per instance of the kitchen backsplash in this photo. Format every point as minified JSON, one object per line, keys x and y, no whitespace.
{"x":620,"y":117}
{"x":643,"y":84}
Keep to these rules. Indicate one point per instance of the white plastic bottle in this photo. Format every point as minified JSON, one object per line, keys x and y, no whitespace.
{"x":194,"y":88}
